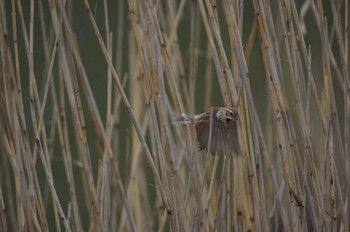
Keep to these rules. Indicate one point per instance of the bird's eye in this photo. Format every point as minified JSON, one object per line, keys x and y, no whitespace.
{"x":228,"y":121}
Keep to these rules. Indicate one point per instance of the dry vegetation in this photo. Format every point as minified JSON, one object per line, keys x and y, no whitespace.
{"x":70,"y":162}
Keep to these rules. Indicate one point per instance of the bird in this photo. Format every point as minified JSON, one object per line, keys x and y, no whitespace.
{"x":224,"y":130}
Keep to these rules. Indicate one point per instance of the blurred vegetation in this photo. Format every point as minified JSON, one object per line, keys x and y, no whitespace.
{"x":89,"y":91}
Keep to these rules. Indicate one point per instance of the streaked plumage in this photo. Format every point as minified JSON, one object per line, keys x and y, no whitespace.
{"x":224,"y":130}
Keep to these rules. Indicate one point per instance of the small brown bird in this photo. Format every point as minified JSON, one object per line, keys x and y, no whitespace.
{"x":224,"y":132}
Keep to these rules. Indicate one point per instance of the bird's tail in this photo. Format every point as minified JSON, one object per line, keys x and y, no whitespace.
{"x":181,"y":119}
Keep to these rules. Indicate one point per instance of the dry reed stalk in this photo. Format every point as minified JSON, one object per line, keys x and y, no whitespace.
{"x":71,"y":162}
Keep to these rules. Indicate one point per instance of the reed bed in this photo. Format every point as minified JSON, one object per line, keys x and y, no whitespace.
{"x":89,"y":91}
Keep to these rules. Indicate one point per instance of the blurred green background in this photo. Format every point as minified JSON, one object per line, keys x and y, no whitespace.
{"x":96,"y":67}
